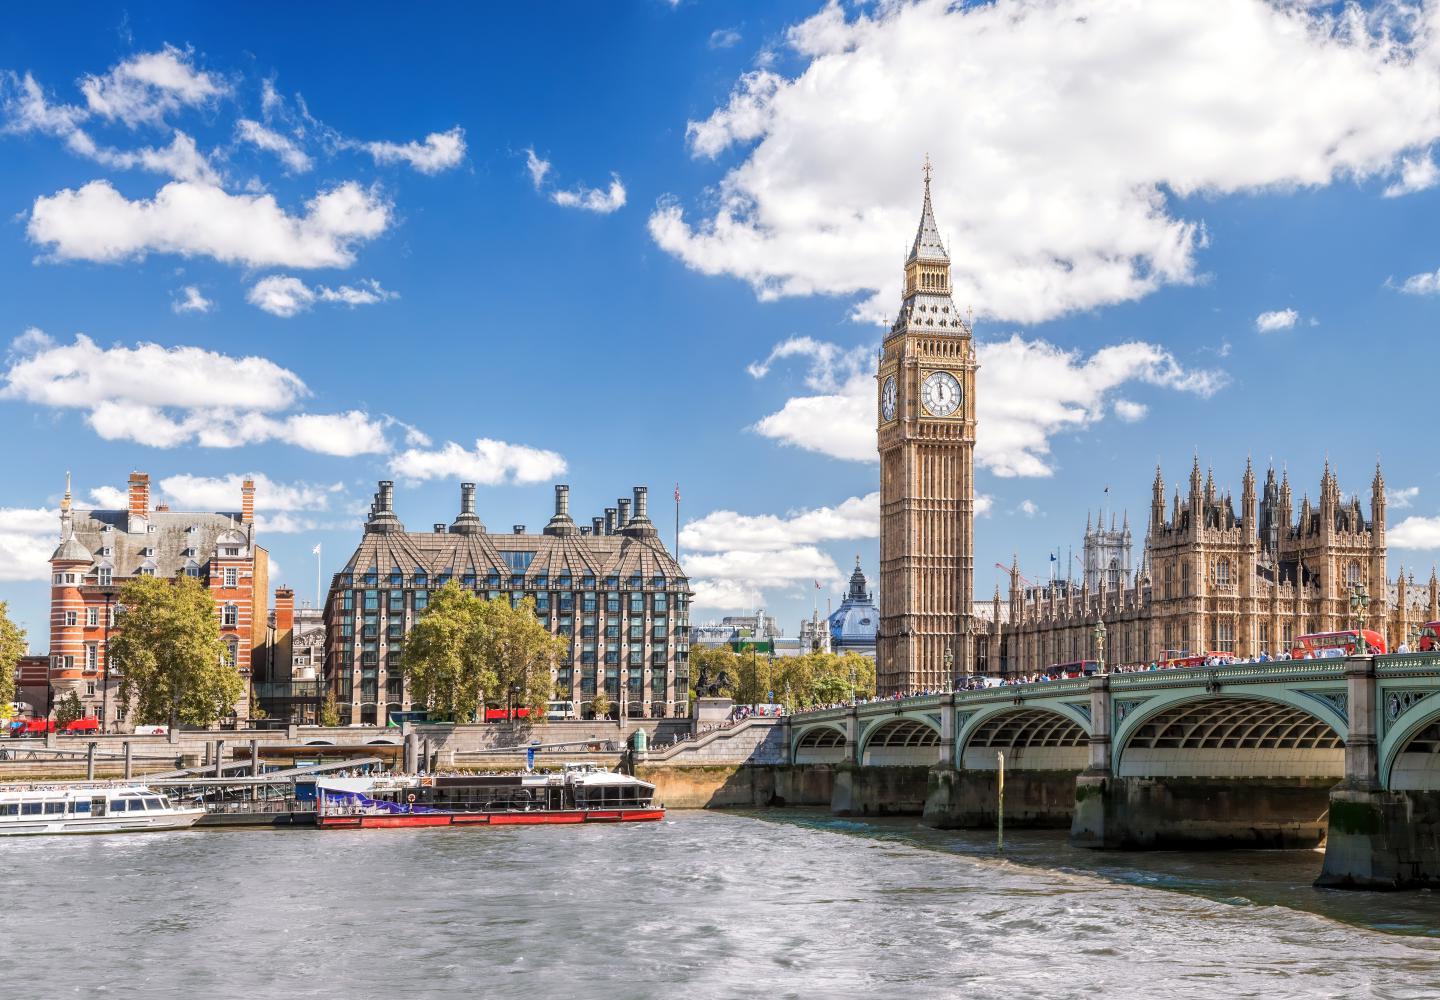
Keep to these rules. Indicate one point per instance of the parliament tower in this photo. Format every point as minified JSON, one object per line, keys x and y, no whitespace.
{"x":926,"y":434}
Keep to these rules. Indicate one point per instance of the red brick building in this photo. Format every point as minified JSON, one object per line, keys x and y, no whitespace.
{"x":100,"y":549}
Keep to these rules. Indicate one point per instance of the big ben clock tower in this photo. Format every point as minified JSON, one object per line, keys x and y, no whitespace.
{"x":925,"y":410}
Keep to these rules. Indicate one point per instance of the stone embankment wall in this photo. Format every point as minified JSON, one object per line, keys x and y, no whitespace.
{"x":969,"y":799}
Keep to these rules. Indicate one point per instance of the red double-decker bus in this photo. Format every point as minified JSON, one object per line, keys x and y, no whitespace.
{"x":1318,"y":645}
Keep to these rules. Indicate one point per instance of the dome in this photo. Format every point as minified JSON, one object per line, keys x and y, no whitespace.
{"x":71,"y":550}
{"x":853,"y":627}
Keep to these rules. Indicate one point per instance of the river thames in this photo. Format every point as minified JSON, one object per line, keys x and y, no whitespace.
{"x":705,"y":904}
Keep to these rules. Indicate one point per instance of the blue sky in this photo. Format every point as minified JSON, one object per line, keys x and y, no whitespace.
{"x":649,"y":243}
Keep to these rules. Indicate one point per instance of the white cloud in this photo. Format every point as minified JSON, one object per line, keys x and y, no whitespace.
{"x":1130,"y":411}
{"x":192,"y":301}
{"x":734,"y":558}
{"x":537,"y":167}
{"x":181,"y":159}
{"x":109,"y":498}
{"x":97,"y":223}
{"x":290,"y":154}
{"x":1417,"y":173}
{"x":439,"y":151}
{"x":602,"y":201}
{"x":1280,"y":319}
{"x":984,"y":504}
{"x":490,"y":462}
{"x":1415,"y":533}
{"x":1031,"y":390}
{"x":1069,"y":129}
{"x":1402,"y":498}
{"x":1028,"y":507}
{"x":1426,"y":283}
{"x":284,"y":295}
{"x":143,"y":89}
{"x":28,"y":536}
{"x":164,"y":397}
{"x":187,"y":492}
{"x":724,"y":38}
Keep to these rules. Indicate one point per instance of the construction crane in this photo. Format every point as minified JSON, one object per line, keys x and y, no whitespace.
{"x":1006,"y":569}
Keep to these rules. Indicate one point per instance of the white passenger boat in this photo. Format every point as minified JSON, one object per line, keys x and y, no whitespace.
{"x":89,"y":809}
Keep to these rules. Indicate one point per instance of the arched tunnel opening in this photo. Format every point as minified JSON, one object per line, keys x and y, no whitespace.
{"x":821,"y":745}
{"x":1216,"y":772}
{"x":903,"y":742}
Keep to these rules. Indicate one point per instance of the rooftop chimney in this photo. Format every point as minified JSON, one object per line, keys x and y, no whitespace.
{"x":382,"y":512}
{"x":624,"y":518}
{"x":640,"y":523}
{"x":247,"y":502}
{"x":597,"y":526}
{"x":610,"y":520}
{"x":467,"y":522}
{"x":518,"y":529}
{"x":439,"y":527}
{"x":561,"y":524}
{"x":161,"y":508}
{"x":585,"y":529}
{"x":284,"y":610}
{"x":139,"y":495}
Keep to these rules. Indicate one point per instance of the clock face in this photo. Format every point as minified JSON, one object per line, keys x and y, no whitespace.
{"x":887,"y":398}
{"x":940,"y":394}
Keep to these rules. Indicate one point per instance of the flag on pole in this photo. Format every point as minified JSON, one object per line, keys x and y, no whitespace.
{"x":677,"y":492}
{"x":316,"y":550}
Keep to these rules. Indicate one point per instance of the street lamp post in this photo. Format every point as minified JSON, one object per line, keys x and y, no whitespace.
{"x":105,"y":674}
{"x":514,"y":700}
{"x":1359,"y":604}
{"x":1100,"y":643}
{"x":949,"y":664}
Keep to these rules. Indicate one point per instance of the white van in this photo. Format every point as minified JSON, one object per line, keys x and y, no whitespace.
{"x":152,"y":730}
{"x":556,"y":711}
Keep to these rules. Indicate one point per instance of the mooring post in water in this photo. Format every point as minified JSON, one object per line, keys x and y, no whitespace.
{"x":129,"y":761}
{"x":1000,"y":810}
{"x":90,"y":762}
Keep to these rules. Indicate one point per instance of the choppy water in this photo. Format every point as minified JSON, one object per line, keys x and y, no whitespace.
{"x":704,"y":905}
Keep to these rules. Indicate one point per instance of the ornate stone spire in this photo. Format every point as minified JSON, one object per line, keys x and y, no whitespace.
{"x":928,"y":245}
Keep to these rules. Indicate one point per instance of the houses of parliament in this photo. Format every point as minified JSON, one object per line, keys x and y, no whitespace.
{"x":1210,"y":577}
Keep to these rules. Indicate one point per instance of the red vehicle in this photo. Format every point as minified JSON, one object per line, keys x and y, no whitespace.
{"x":1176,"y":658}
{"x":31,"y":727}
{"x":89,"y":724}
{"x":1075,"y":668}
{"x":1325,"y":644}
{"x":501,"y":714}
{"x":1429,"y":638}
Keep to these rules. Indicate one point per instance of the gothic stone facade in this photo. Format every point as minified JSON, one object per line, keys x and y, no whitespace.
{"x":609,"y":589}
{"x":1214,"y":580}
{"x":925,"y":414}
{"x":100,"y":549}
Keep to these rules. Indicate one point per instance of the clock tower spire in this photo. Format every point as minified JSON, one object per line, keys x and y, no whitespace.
{"x":926,"y":438}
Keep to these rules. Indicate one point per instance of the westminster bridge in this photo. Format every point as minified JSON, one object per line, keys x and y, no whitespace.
{"x":1293,"y":753}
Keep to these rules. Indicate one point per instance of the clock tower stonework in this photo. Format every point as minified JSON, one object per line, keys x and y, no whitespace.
{"x":925,"y":412}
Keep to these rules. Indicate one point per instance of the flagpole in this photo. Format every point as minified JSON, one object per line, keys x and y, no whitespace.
{"x":319,"y":576}
{"x":677,"y":522}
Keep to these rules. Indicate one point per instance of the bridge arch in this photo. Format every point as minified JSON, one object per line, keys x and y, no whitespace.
{"x":822,"y":744}
{"x":1410,"y":756}
{"x":1031,"y":737}
{"x":901,"y":741}
{"x":1233,"y":735}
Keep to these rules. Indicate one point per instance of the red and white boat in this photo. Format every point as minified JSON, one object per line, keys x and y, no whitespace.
{"x":583,"y":793}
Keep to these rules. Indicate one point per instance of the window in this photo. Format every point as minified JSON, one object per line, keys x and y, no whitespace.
{"x":70,"y":618}
{"x":89,"y":689}
{"x":637,"y":604}
{"x":1225,"y":636}
{"x":232,"y":654}
{"x":232,"y":578}
{"x":588,"y":583}
{"x":419,"y":580}
{"x":517,"y":562}
{"x":230,"y":616}
{"x":230,"y":551}
{"x":587,"y":602}
{"x":1222,"y":572}
{"x":92,"y":617}
{"x":492,"y":580}
{"x":612,"y":603}
{"x":397,"y":579}
{"x":1352,"y":575}
{"x":658,"y":603}
{"x":92,"y":657}
{"x":372,"y":600}
{"x":422,"y":600}
{"x":567,"y":602}
{"x":564,"y":582}
{"x":397,"y":602}
{"x":637,"y":657}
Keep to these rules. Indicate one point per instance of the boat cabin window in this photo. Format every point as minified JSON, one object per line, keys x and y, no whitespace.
{"x":30,"y":809}
{"x":80,"y":806}
{"x":52,"y":808}
{"x":153,"y":804}
{"x":9,"y":809}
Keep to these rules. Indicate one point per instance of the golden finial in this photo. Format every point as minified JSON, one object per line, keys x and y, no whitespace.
{"x":927,"y":169}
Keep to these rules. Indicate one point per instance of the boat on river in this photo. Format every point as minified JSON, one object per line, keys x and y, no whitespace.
{"x":582,"y":793}
{"x":90,"y":808}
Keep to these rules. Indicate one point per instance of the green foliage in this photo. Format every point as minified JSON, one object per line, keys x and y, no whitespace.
{"x":602,"y":705}
{"x":68,"y":710}
{"x":166,"y":646}
{"x":329,"y":711}
{"x":798,"y":681}
{"x":466,"y":652}
{"x":12,"y":647}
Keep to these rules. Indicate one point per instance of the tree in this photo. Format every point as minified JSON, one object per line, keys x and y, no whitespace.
{"x":68,"y":710}
{"x":601,"y":705}
{"x":166,"y":646}
{"x":465,"y":651}
{"x":12,"y":647}
{"x":329,"y":711}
